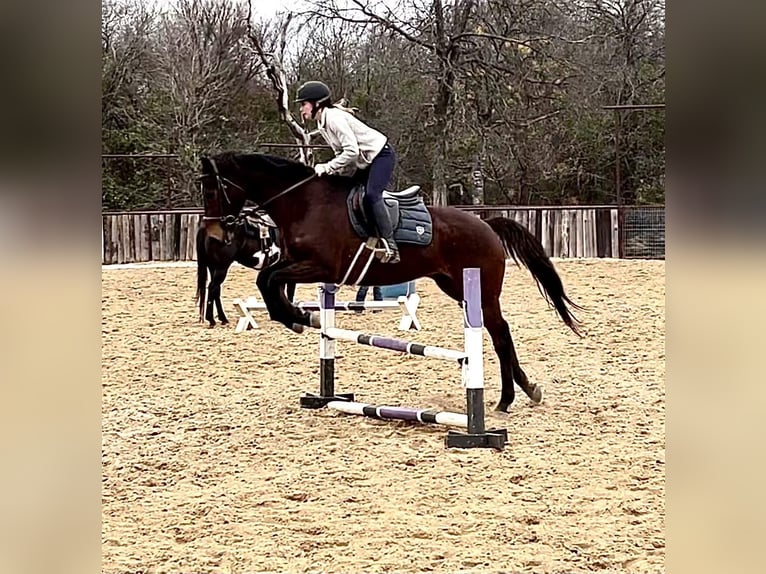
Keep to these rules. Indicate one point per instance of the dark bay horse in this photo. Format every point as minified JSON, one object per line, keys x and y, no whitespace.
{"x":319,"y":244}
{"x":242,"y":242}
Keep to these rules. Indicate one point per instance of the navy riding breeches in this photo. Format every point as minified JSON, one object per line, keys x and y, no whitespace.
{"x":379,"y":174}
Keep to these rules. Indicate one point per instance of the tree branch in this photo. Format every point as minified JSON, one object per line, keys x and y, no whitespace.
{"x":276,"y":74}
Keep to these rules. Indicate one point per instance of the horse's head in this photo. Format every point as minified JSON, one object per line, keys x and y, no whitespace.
{"x":221,"y":192}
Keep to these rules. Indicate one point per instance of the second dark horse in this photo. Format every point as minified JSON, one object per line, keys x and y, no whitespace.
{"x":243,"y":243}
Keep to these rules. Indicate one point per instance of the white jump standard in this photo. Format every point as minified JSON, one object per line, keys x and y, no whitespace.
{"x":471,"y":361}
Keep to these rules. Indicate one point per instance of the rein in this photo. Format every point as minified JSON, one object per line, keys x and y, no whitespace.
{"x":289,"y":189}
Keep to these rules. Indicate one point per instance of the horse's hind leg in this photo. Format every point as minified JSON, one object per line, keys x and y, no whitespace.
{"x":209,"y":317}
{"x":497,"y":327}
{"x":510,"y":369}
{"x":219,"y":307}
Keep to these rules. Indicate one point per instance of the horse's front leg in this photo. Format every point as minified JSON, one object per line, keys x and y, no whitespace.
{"x":282,"y":281}
{"x":273,"y":282}
{"x":221,"y":277}
{"x":278,"y":307}
{"x":290,"y":291}
{"x":209,"y":305}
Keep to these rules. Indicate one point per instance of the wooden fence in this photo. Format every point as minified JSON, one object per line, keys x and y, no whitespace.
{"x":149,"y":236}
{"x":582,"y":231}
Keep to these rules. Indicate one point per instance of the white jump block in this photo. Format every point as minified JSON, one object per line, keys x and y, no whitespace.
{"x":245,"y":308}
{"x":408,"y":305}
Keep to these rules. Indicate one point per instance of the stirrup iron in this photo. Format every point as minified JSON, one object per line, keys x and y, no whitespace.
{"x":387,"y":252}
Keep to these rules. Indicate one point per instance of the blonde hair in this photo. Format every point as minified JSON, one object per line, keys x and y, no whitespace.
{"x":343,"y":104}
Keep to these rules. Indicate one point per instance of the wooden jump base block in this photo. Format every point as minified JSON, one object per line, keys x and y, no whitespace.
{"x":400,"y":413}
{"x":471,"y":361}
{"x":408,"y":305}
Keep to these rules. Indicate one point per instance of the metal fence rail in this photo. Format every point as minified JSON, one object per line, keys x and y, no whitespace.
{"x":643,"y":233}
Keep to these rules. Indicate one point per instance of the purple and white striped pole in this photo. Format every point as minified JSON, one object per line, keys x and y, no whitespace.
{"x":398,"y":345}
{"x":401,"y":413}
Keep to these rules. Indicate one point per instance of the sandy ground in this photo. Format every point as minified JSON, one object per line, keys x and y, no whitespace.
{"x":209,"y":464}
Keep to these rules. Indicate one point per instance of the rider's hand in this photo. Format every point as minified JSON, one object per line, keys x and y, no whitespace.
{"x":320,"y":169}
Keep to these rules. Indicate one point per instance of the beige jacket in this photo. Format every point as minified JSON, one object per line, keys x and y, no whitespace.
{"x":355,"y":143}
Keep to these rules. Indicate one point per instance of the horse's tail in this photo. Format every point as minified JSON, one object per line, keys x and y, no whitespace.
{"x":201,"y":271}
{"x":524,"y":248}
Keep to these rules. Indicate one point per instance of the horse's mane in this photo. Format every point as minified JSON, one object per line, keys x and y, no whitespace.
{"x":260,"y":161}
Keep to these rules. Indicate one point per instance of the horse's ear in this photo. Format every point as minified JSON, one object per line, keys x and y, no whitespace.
{"x":207,"y":166}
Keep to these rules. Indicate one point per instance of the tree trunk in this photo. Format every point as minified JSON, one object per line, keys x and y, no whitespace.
{"x":439,"y":194}
{"x":477,"y":191}
{"x":442,"y":107}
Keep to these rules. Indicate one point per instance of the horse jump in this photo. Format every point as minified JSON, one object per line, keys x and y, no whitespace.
{"x":470,"y":359}
{"x":408,"y":305}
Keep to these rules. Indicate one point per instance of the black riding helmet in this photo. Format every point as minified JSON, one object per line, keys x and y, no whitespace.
{"x":313,"y":91}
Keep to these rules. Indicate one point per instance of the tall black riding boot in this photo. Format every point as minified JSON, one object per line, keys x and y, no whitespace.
{"x":383,"y":221}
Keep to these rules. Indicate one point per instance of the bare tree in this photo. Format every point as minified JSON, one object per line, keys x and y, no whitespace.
{"x":203,"y":64}
{"x":126,"y":59}
{"x":514,"y":75}
{"x":127,"y":122}
{"x":509,"y":91}
{"x":457,"y":45}
{"x":632,"y":68}
{"x":436,"y":28}
{"x":272,"y":64}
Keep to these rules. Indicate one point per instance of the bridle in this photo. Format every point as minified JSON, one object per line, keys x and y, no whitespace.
{"x":222,"y":182}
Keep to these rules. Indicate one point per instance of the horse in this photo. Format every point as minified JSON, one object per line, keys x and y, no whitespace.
{"x":244,"y":243}
{"x":320,"y":243}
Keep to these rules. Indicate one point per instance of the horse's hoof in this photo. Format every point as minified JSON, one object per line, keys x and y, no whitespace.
{"x":503,"y":407}
{"x":537,"y":395}
{"x":297,"y":328}
{"x":314,"y":320}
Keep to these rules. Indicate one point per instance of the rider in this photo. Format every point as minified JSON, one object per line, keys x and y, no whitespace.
{"x":357,"y":147}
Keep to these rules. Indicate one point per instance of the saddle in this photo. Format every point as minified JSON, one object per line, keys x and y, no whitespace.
{"x":410,"y":218}
{"x":255,"y":224}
